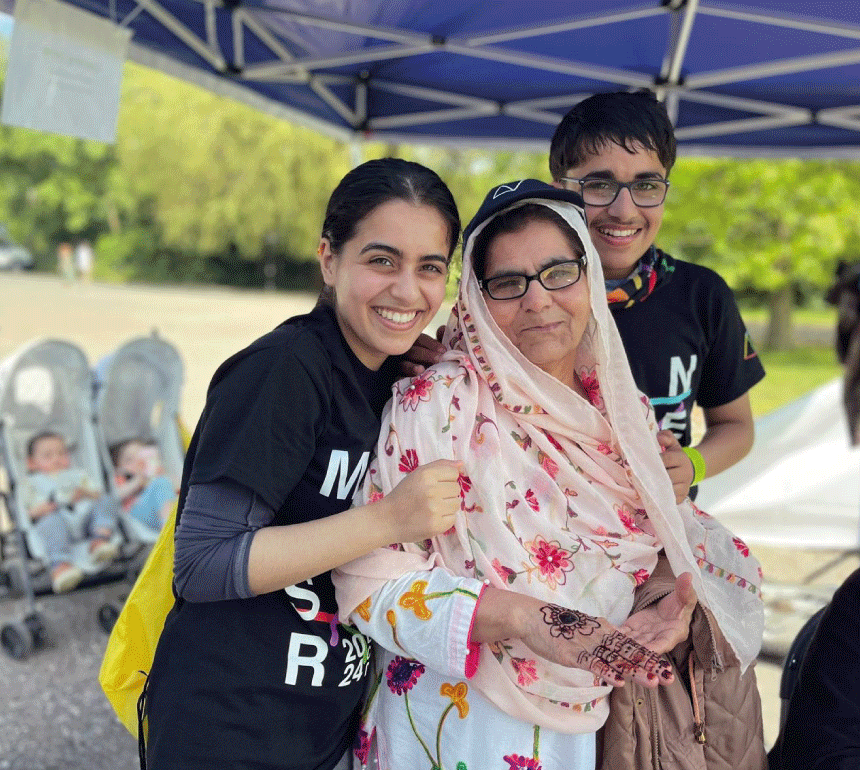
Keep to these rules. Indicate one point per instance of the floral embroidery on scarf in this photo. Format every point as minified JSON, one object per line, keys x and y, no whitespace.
{"x":505,"y":573}
{"x":640,"y":576}
{"x":552,"y":561}
{"x":588,"y":378}
{"x":526,"y":671}
{"x":418,"y":390}
{"x":408,"y":461}
{"x":547,"y":463}
{"x":628,"y":519}
{"x":741,"y":546}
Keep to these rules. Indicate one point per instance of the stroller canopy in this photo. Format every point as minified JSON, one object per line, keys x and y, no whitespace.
{"x":137,"y":396}
{"x":47,"y":386}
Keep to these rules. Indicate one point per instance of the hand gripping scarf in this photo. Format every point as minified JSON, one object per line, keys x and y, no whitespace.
{"x":562,"y":498}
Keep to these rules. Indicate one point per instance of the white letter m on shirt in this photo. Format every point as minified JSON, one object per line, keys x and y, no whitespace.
{"x":338,"y":468}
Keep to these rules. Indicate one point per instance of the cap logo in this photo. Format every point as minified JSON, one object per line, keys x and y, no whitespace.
{"x":506,"y":188}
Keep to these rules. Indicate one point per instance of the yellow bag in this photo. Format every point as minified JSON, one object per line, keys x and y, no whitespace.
{"x":131,"y":646}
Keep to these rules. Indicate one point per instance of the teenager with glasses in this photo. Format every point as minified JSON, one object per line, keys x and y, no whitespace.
{"x":679,"y":322}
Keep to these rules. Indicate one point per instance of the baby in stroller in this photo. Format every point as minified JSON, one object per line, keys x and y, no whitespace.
{"x":65,"y":505}
{"x":145,"y":490}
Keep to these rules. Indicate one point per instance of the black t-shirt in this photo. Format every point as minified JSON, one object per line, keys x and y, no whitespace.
{"x":822,"y":728}
{"x":686,"y":343}
{"x":272,"y":681}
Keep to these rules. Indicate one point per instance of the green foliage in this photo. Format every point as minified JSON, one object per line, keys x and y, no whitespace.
{"x":221,"y":178}
{"x":764,"y":224}
{"x":199,"y":187}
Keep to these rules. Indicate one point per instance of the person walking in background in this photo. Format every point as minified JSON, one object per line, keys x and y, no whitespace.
{"x":84,"y":260}
{"x":66,"y":262}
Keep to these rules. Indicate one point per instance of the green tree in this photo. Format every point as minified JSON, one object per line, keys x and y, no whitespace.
{"x":214,"y":177}
{"x":772,"y":227}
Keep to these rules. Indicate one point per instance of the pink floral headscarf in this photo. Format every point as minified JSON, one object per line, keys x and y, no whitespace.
{"x":562,"y":498}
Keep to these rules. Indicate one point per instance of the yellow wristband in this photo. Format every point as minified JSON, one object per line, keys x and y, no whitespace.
{"x":699,"y":469}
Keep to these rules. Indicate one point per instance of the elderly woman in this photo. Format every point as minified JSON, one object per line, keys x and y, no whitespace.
{"x":504,"y":637}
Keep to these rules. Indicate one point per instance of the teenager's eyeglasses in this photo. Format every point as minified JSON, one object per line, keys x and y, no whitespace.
{"x":601,"y":192}
{"x":557,"y":276}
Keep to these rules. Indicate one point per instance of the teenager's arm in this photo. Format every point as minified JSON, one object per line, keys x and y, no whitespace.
{"x":729,"y":434}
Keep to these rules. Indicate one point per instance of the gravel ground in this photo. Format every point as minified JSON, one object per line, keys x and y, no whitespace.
{"x":54,"y":714}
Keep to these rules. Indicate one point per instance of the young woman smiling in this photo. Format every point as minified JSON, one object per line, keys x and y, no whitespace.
{"x":253,"y":668}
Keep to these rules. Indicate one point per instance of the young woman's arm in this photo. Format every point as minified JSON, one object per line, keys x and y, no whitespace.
{"x":225,"y":548}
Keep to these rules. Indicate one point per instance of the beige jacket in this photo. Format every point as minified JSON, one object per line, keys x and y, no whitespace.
{"x":717,"y":725}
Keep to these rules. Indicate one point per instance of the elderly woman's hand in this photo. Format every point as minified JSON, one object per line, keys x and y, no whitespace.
{"x":568,"y":637}
{"x":425,"y":352}
{"x":666,"y":623}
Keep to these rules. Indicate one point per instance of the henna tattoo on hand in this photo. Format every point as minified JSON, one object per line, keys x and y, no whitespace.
{"x":618,"y":654}
{"x":566,"y":623}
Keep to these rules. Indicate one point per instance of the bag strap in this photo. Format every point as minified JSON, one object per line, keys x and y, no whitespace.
{"x":141,"y":718}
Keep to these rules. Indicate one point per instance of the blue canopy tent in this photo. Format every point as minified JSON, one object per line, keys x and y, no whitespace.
{"x":749,"y":78}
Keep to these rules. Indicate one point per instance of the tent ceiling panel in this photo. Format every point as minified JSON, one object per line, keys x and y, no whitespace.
{"x":752,"y":77}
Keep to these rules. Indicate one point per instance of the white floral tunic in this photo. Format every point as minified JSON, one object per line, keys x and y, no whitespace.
{"x":427,"y":617}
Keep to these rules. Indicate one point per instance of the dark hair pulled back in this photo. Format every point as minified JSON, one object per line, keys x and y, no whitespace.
{"x":381,"y":180}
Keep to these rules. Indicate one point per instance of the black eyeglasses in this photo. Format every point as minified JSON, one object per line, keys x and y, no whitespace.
{"x":646,"y":193}
{"x":552,"y":278}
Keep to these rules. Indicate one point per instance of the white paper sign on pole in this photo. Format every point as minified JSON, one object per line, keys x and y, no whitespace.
{"x":65,"y":71}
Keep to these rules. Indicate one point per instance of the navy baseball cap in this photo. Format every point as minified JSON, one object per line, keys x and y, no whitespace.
{"x":503,"y":195}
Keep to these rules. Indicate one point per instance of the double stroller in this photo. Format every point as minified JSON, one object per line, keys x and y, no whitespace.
{"x":48,"y":386}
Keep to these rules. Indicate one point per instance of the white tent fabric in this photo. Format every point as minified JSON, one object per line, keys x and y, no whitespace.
{"x":800,"y":484}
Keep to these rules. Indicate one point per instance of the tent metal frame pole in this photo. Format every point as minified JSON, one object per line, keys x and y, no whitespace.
{"x":175,"y":26}
{"x":365,"y":56}
{"x":780,"y":20}
{"x":675,"y":58}
{"x":549,"y":64}
{"x":519,"y":33}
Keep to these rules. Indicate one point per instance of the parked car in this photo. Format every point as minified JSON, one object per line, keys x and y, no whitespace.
{"x":13,"y":256}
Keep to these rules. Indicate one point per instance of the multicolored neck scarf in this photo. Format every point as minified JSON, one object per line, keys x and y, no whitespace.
{"x":654,"y":268}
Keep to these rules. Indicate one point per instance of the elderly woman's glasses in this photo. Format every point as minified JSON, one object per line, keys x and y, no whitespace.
{"x":646,"y":193}
{"x":557,"y":276}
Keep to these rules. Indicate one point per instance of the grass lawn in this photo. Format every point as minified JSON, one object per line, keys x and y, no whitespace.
{"x":790,"y":374}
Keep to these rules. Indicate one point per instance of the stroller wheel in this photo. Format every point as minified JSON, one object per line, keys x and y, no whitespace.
{"x":107,"y":615}
{"x":17,"y":640}
{"x":35,"y":622}
{"x":16,"y":578}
